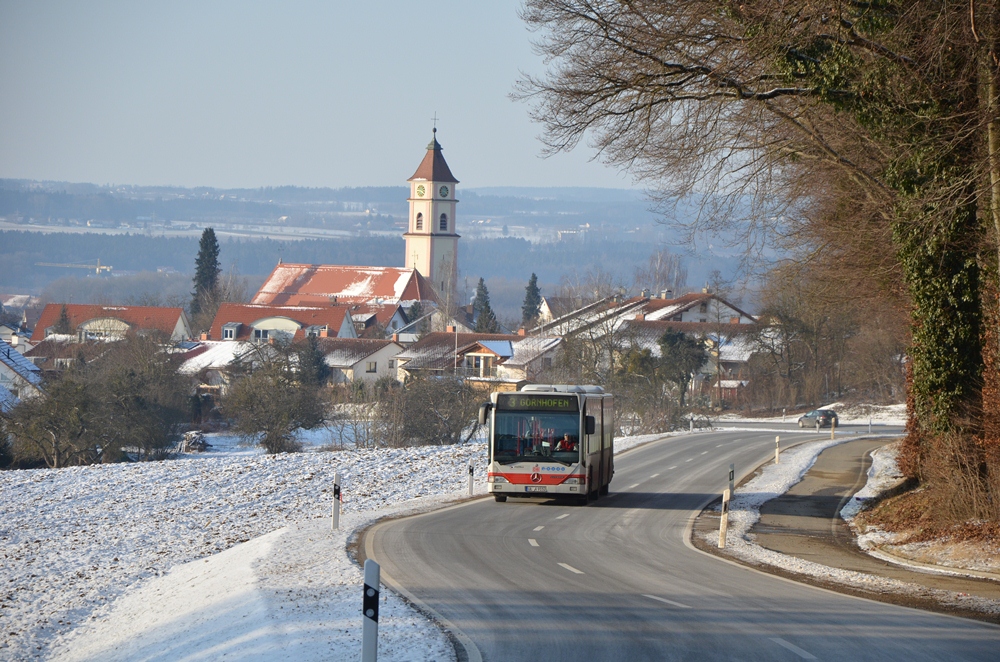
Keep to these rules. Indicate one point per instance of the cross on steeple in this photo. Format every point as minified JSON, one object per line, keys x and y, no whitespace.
{"x":435,"y":120}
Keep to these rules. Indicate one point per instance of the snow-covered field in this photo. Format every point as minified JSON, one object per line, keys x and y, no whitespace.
{"x":212,"y":555}
{"x":776,"y":479}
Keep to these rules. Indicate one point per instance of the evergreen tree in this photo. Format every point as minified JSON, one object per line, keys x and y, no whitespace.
{"x":206,"y":270}
{"x":62,"y":325}
{"x":532,"y":302}
{"x":681,"y":356}
{"x":486,"y":321}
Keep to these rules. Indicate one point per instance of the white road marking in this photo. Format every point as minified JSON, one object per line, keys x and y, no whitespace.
{"x":563,"y":516}
{"x":538,"y":528}
{"x":805,"y":655}
{"x":654,"y":475}
{"x":704,"y":452}
{"x":532,"y":542}
{"x":669,"y":602}
{"x":689,"y":459}
{"x":572,"y":569}
{"x":673,"y":467}
{"x":631,"y":486}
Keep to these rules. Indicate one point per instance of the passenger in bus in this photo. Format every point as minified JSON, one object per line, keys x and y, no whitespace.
{"x":566,"y":443}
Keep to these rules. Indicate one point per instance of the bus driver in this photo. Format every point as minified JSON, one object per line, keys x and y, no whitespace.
{"x":566,"y":444}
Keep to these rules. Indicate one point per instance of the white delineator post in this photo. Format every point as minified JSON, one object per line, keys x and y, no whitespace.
{"x":336,"y":500}
{"x":777,"y":448}
{"x":869,"y":425}
{"x":470,"y":479}
{"x":691,"y":425}
{"x":783,"y":415}
{"x":724,"y":519}
{"x":732,"y":476}
{"x":833,"y":427}
{"x":369,"y":608}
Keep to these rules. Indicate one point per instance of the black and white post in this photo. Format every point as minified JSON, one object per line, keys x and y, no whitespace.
{"x":336,"y":501}
{"x":732,"y":476}
{"x":369,"y":608}
{"x":777,"y":448}
{"x":724,"y":519}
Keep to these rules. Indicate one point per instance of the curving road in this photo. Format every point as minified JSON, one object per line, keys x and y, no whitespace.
{"x":537,"y":580}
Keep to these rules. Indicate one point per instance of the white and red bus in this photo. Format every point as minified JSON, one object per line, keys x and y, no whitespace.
{"x":550,"y":441}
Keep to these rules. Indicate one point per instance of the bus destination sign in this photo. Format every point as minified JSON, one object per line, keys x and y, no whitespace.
{"x":537,"y":402}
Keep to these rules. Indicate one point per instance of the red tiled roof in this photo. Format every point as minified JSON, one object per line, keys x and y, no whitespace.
{"x":434,"y":168}
{"x":305,"y":284}
{"x":248,"y":313}
{"x":137,"y":317}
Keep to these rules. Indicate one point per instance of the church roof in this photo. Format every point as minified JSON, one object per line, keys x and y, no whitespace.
{"x":310,"y":284}
{"x":434,"y":168}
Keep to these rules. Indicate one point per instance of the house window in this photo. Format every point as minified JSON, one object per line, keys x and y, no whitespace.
{"x":704,"y":307}
{"x":260,"y":334}
{"x":370,"y":366}
{"x":444,"y":222}
{"x":228,"y":334}
{"x":420,"y":221}
{"x":392,"y":364}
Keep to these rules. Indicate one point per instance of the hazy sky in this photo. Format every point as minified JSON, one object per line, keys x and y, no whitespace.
{"x":250,"y":94}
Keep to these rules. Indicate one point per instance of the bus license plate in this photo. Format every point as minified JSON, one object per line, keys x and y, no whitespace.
{"x":535,"y":488}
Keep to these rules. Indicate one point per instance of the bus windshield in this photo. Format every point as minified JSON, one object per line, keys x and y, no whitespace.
{"x":533,"y":436}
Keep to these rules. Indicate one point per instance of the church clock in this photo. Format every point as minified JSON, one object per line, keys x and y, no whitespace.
{"x":443,"y":191}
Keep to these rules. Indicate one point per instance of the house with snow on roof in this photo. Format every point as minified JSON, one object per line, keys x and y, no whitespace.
{"x":95,"y":322}
{"x":359,"y":359}
{"x":19,"y":376}
{"x":262,"y":323}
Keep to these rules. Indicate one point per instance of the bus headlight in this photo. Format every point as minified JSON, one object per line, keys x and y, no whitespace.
{"x":497,"y":479}
{"x":571,"y":481}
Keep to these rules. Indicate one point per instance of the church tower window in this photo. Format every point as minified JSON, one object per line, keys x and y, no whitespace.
{"x":444,"y":222}
{"x":420,"y":221}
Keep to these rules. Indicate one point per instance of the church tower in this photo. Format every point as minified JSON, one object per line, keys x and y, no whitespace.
{"x":431,"y":240}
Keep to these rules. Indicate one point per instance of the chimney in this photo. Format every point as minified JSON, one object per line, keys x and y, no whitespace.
{"x":324,"y":333}
{"x":205,"y":336}
{"x":640,"y":317}
{"x":522,"y":332}
{"x":450,"y":329}
{"x":395,"y":337}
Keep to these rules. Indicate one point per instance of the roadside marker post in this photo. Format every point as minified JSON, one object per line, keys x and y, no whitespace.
{"x":470,"y":478}
{"x":777,"y":448}
{"x":691,"y":425}
{"x":724,"y":519}
{"x":369,"y":607}
{"x":732,"y":475}
{"x":336,"y":500}
{"x":833,"y":427}
{"x":869,"y":425}
{"x":783,"y":415}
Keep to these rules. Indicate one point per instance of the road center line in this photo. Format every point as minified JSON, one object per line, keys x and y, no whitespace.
{"x":580,"y":572}
{"x":631,"y":486}
{"x":704,"y":452}
{"x":673,"y":467}
{"x":538,"y":528}
{"x":654,"y":475}
{"x":563,"y":516}
{"x":689,"y":459}
{"x":532,"y":542}
{"x":669,"y":602}
{"x":805,"y":655}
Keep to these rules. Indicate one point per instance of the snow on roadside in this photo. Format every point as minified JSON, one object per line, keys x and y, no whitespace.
{"x":88,"y":549}
{"x":883,"y":474}
{"x":776,"y":479}
{"x":78,"y":538}
{"x":854,"y":414}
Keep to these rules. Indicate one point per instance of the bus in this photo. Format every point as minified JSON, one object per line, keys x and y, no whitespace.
{"x":550,"y":441}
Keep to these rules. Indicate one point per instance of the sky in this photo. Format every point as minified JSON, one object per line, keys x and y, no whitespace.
{"x":248,"y":94}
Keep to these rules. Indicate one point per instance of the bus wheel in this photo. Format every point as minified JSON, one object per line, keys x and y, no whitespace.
{"x":500,"y":499}
{"x":604,"y":490}
{"x":583,"y":500}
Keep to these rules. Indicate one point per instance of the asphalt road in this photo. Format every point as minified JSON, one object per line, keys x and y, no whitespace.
{"x":543,"y":580}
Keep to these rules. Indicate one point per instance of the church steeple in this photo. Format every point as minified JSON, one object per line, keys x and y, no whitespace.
{"x":431,"y":240}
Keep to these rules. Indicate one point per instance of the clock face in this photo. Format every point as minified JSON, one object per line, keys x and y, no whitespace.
{"x":421,"y":190}
{"x":443,"y":191}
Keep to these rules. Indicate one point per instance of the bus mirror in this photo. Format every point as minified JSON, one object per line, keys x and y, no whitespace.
{"x":591,"y":425}
{"x":483,"y":409}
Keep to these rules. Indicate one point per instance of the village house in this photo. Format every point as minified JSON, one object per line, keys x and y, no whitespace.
{"x":359,"y":359}
{"x":19,"y":376}
{"x":264,"y":323}
{"x":94,"y":322}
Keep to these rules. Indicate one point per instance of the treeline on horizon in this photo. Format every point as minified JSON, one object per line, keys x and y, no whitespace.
{"x":510,"y":258}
